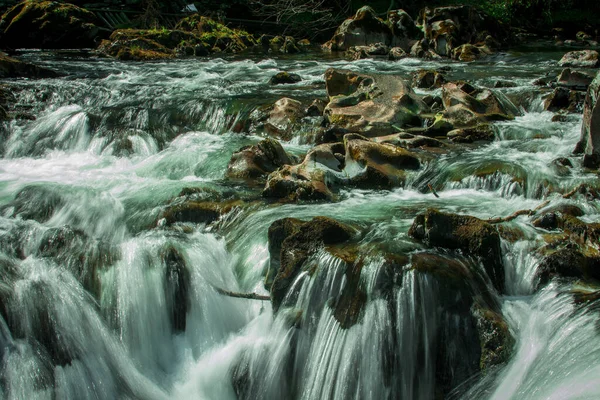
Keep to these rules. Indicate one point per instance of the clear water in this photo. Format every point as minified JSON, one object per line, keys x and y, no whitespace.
{"x":111,"y":319}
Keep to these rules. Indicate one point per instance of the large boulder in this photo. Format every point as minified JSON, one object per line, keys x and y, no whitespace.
{"x":580,"y":59}
{"x":468,"y":106}
{"x":292,"y":242}
{"x":371,"y":105}
{"x":280,"y":119}
{"x":446,"y":28}
{"x":363,"y":29}
{"x":565,"y":99}
{"x":574,"y":79}
{"x":258,"y":161}
{"x":47,"y":24}
{"x":589,"y":143}
{"x":13,"y":68}
{"x":471,"y":235}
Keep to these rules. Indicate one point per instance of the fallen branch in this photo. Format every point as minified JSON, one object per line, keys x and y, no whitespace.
{"x":430,"y":186}
{"x":250,"y":296}
{"x":517,"y":213}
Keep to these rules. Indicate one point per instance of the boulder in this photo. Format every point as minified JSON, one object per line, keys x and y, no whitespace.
{"x":197,"y":212}
{"x":36,"y":202}
{"x":258,"y":161}
{"x":574,"y":79}
{"x":482,"y":132}
{"x":13,"y":68}
{"x":428,"y":79}
{"x":468,"y":106}
{"x":371,"y":51}
{"x":564,"y":99}
{"x":469,"y":52}
{"x":471,"y":235}
{"x":128,"y":47}
{"x":49,"y":25}
{"x":363,"y":29}
{"x":284,"y":78}
{"x":371,"y":105}
{"x":283,"y":116}
{"x":316,"y":108}
{"x":568,"y":261}
{"x":292,"y":242}
{"x":589,"y":142}
{"x":397,"y":53}
{"x":403,"y":27}
{"x":580,"y":59}
{"x":446,"y":28}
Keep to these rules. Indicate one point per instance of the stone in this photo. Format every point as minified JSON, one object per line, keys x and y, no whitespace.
{"x":575,"y":80}
{"x":469,"y":234}
{"x":363,"y":29}
{"x":468,"y":52}
{"x":48,"y":25}
{"x":589,"y":141}
{"x":569,"y":262}
{"x":283,"y":116}
{"x":397,"y":53}
{"x":482,"y":132}
{"x":371,"y":51}
{"x":176,"y":288}
{"x":316,"y":108}
{"x":258,"y":161}
{"x":580,"y":59}
{"x":564,"y":99}
{"x":371,"y":105}
{"x":13,"y":68}
{"x":428,"y":79}
{"x":282,"y":78}
{"x":198,"y":212}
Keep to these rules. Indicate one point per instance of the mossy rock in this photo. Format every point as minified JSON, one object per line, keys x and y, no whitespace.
{"x":49,"y":25}
{"x":13,"y":68}
{"x":199,"y":212}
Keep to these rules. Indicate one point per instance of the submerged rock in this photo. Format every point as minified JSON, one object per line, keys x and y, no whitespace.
{"x":282,"y":78}
{"x":471,"y":235}
{"x":589,"y":142}
{"x":48,"y":25}
{"x":36,"y":202}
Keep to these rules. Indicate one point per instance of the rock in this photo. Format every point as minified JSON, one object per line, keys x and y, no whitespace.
{"x":403,"y":28}
{"x":371,"y":51}
{"x":289,"y":46}
{"x":397,"y":53}
{"x":575,"y":80}
{"x":177,"y":287}
{"x":591,"y":161}
{"x":126,"y":48}
{"x":316,"y":108}
{"x":589,"y":142}
{"x":49,"y":25}
{"x":446,"y":28}
{"x":468,"y":52}
{"x":564,"y":99}
{"x":428,"y":79}
{"x":371,"y":165}
{"x":292,"y":242}
{"x":462,"y":232}
{"x":364,"y":29}
{"x":504,"y":84}
{"x":283,"y":117}
{"x":582,"y":36}
{"x":13,"y":68}
{"x":568,"y":261}
{"x":482,"y":132}
{"x":467,"y":106}
{"x":284,"y":78}
{"x":580,"y":59}
{"x":198,"y":212}
{"x":371,"y":105}
{"x":36,"y":202}
{"x":408,"y":140}
{"x":257,"y":161}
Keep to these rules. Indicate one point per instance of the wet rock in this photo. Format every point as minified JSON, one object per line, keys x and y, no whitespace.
{"x":504,"y":84}
{"x":316,"y":108}
{"x":482,"y":132}
{"x":410,"y":141}
{"x":428,"y":79}
{"x":177,"y":287}
{"x":564,"y":99}
{"x":36,"y":202}
{"x":282,"y":78}
{"x":13,"y":68}
{"x":257,"y":161}
{"x":573,"y":79}
{"x":591,"y":161}
{"x":134,"y":49}
{"x":380,"y":165}
{"x":48,"y":25}
{"x":283,"y":116}
{"x":462,"y":232}
{"x":371,"y":51}
{"x":295,"y":241}
{"x":363,"y":29}
{"x":403,"y":27}
{"x":568,"y":261}
{"x":468,"y":52}
{"x":397,"y":53}
{"x":580,"y":59}
{"x":589,"y":142}
{"x":371,"y":105}
{"x":198,"y":212}
{"x":468,"y":106}
{"x":495,"y":339}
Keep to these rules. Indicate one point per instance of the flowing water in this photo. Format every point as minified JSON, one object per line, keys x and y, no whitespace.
{"x":91,"y":284}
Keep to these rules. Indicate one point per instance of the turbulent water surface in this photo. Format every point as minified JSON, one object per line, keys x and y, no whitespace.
{"x":86,"y":263}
